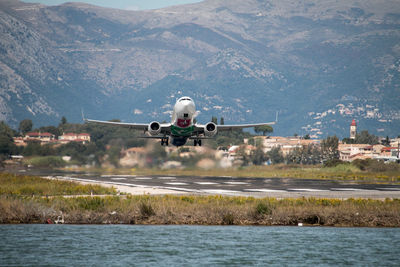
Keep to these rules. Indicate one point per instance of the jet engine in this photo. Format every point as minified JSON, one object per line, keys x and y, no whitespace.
{"x":210,"y":129}
{"x":154,"y":128}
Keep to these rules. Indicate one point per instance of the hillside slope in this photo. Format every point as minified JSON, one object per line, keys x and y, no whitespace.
{"x":319,"y":63}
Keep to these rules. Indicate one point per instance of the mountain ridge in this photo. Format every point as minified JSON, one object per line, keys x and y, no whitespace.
{"x":319,"y":64}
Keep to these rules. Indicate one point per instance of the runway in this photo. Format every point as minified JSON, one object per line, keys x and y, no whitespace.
{"x":238,"y":186}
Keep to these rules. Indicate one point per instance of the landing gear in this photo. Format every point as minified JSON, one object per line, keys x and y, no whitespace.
{"x":164,"y":141}
{"x":197,"y":142}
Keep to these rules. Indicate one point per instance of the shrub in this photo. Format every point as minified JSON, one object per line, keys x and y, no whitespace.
{"x":95,"y":203}
{"x":333,"y":162}
{"x":373,"y":165}
{"x":146,"y":210}
{"x":48,"y":161}
{"x":345,"y":167}
{"x":189,"y":199}
{"x":264,"y":208}
{"x":228,"y":219}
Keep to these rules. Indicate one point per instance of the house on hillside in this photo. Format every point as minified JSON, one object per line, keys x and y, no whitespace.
{"x":395,"y":142}
{"x":74,"y":137}
{"x":287,"y":144}
{"x":350,"y":152}
{"x":389,"y":152}
{"x":43,"y":138}
{"x":19,"y":141}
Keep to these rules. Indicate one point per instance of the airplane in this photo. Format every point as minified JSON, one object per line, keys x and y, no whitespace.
{"x":182,"y":126}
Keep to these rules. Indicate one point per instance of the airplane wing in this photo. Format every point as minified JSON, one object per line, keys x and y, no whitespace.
{"x":241,"y":126}
{"x":199,"y":128}
{"x":165,"y":127}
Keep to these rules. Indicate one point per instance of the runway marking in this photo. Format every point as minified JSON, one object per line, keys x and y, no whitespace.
{"x":177,"y":183}
{"x":143,"y":178}
{"x":265,"y":190}
{"x":347,"y":189}
{"x":219,"y":191}
{"x":235,"y":183}
{"x":390,"y":189}
{"x":118,"y":178}
{"x":205,"y":183}
{"x":307,"y":190}
{"x":180,"y":189}
{"x":117,"y":175}
{"x":167,"y":178}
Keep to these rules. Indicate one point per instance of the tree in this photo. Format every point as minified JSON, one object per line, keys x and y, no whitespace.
{"x":305,"y":155}
{"x":214,"y":119}
{"x":258,"y":157}
{"x":7,"y":146}
{"x":263,"y":129}
{"x":386,"y":141}
{"x":329,"y":148}
{"x":51,"y":129}
{"x":251,"y":141}
{"x":63,"y":121}
{"x":25,"y":126}
{"x":306,"y":137}
{"x":348,"y":140}
{"x":366,"y":138}
{"x":275,"y":155}
{"x":221,"y":121}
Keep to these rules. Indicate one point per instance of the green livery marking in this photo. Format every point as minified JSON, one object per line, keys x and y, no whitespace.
{"x":178,"y":131}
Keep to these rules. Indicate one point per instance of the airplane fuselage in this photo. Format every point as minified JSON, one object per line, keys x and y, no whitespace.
{"x":182,"y":121}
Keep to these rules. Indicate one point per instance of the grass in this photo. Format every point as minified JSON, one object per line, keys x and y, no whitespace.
{"x":21,"y":205}
{"x":18,"y":185}
{"x":203,"y":210}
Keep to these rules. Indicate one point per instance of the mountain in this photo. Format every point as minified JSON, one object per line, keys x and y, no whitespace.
{"x":319,"y":63}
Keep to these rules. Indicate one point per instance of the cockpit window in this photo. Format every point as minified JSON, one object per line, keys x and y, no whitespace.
{"x":185,"y":98}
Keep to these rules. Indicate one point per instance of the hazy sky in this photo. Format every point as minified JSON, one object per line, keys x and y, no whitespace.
{"x":121,"y":4}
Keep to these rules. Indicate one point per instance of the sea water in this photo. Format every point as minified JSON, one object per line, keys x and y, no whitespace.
{"x":127,"y":245}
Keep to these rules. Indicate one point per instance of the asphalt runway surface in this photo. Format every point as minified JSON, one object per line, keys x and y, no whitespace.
{"x":239,"y":186}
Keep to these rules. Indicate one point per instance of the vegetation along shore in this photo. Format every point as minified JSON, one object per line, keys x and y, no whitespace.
{"x":28,"y":199}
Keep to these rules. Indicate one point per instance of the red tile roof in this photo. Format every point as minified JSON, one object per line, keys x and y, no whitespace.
{"x":39,"y":134}
{"x":388,"y":148}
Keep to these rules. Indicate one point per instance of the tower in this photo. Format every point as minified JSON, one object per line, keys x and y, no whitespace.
{"x":353,"y":129}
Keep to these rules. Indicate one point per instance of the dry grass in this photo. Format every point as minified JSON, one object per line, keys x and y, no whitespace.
{"x":20,"y":185}
{"x":202,"y":210}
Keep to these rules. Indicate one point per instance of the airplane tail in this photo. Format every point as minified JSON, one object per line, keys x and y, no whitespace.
{"x":83,"y":115}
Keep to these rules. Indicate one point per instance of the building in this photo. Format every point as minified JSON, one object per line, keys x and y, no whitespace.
{"x":395,"y":142}
{"x":287,"y":144}
{"x":74,"y":137}
{"x":38,"y":136}
{"x":19,"y":141}
{"x":353,"y":129}
{"x":350,"y":152}
{"x":390,"y":152}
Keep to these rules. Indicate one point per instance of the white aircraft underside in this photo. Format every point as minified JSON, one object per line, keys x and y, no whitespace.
{"x":181,"y":127}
